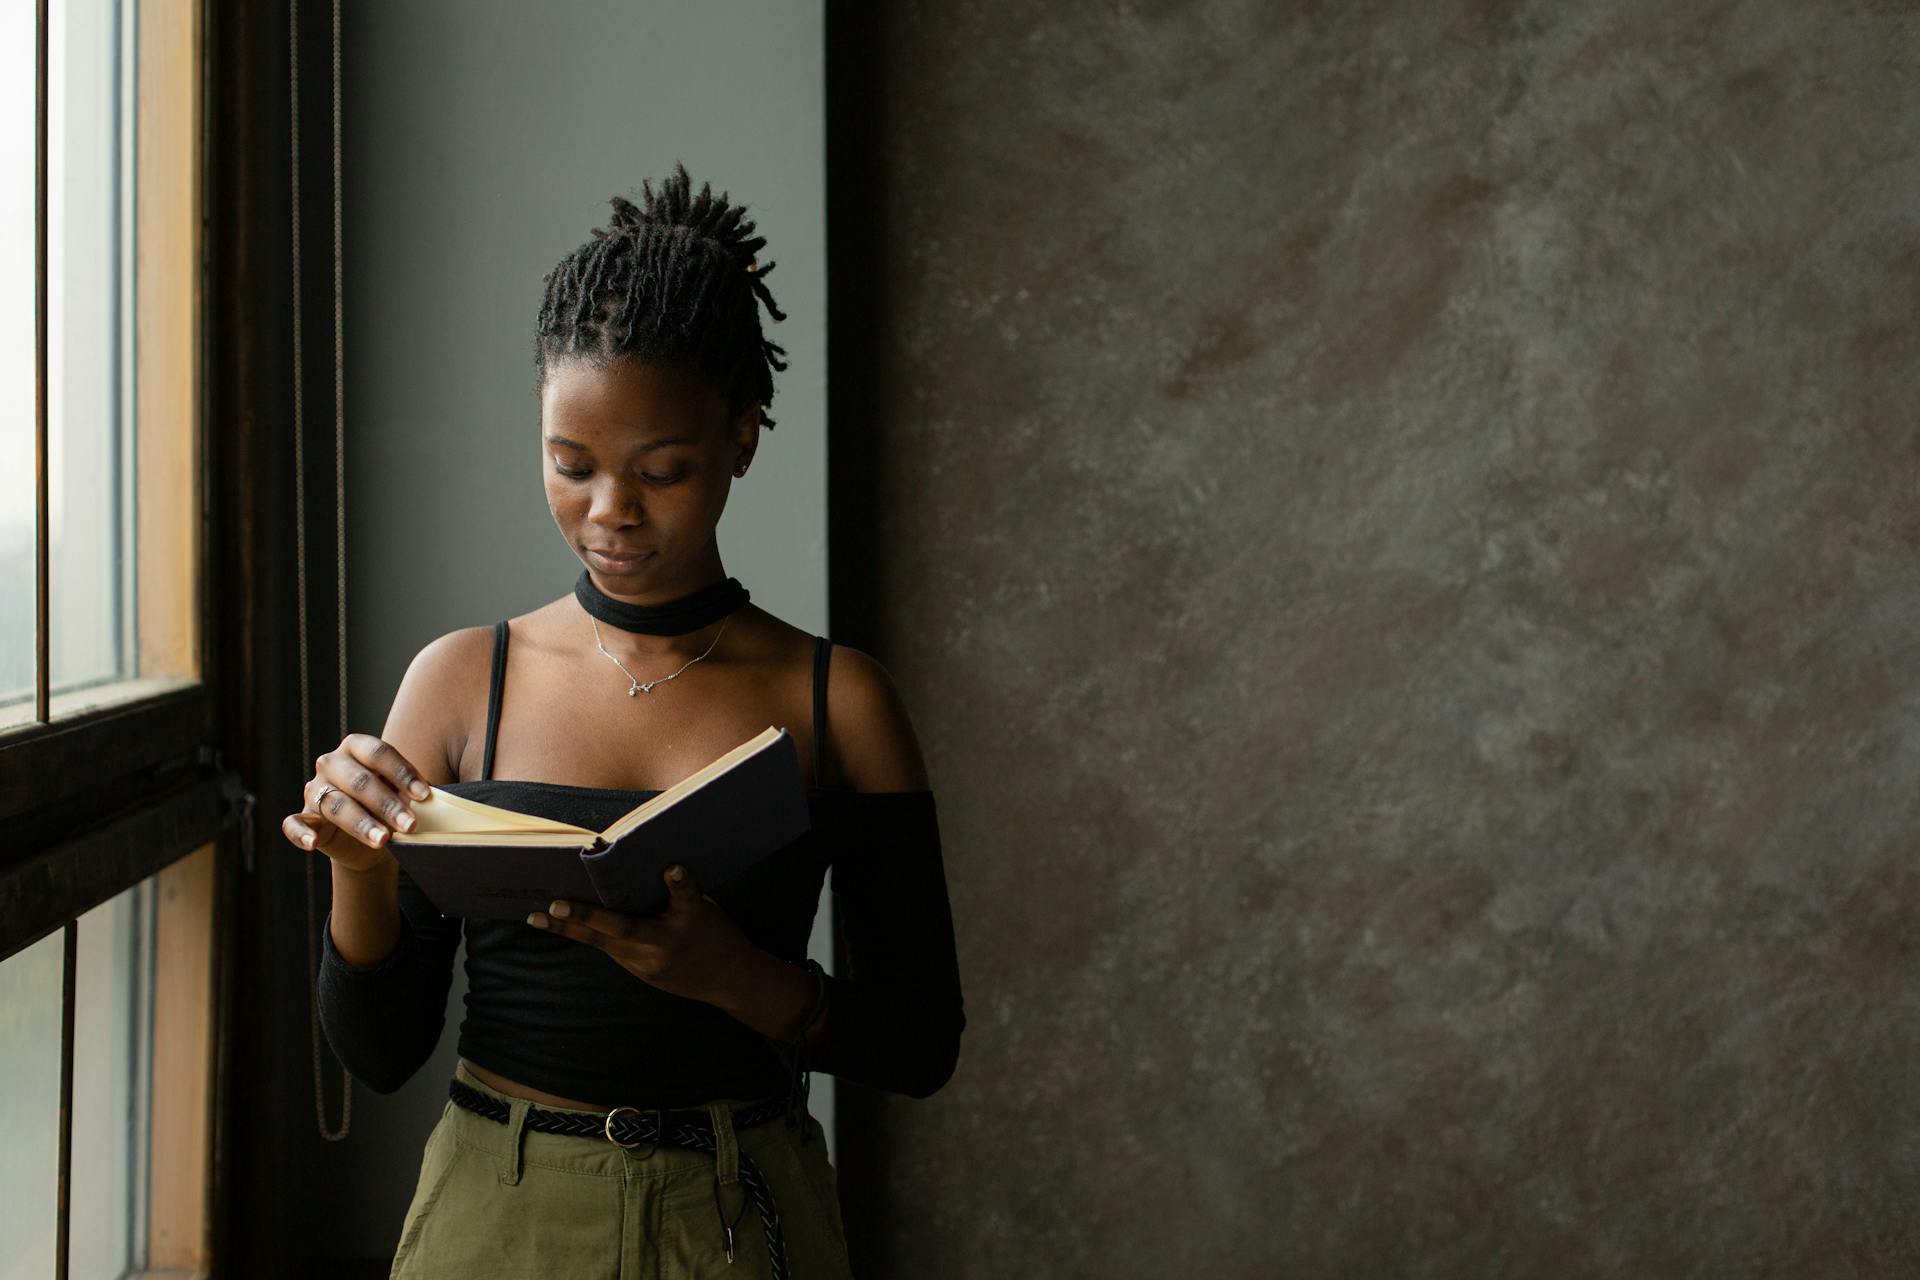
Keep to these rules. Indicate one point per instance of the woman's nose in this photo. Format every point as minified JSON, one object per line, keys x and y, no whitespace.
{"x":615,"y":504}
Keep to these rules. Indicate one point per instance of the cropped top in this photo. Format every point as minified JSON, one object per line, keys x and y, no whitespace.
{"x":564,"y":1017}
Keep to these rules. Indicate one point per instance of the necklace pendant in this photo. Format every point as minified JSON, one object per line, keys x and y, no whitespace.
{"x":633,"y":690}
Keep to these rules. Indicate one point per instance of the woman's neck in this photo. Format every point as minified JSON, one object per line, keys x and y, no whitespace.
{"x":689,"y":612}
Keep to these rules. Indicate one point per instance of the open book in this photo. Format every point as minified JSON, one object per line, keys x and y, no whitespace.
{"x":485,"y":862}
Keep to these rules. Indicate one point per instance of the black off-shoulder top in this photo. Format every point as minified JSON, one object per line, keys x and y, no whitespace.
{"x":563,"y":1017}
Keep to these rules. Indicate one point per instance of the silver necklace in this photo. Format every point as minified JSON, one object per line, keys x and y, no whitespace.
{"x":637,"y":686}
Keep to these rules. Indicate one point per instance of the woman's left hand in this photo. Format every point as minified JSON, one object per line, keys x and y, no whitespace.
{"x":693,"y":948}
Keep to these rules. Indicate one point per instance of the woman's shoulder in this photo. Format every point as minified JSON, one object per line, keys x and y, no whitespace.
{"x":871,"y":745}
{"x":454,"y":665}
{"x":870,"y":735}
{"x":455,"y":658}
{"x":427,"y":722}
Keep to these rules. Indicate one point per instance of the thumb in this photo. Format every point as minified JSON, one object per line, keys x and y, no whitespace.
{"x":681,"y":889}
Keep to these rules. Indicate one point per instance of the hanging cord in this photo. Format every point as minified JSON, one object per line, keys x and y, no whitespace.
{"x":300,"y":521}
{"x":727,"y":1228}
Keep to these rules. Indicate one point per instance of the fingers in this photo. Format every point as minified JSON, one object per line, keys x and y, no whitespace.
{"x":305,"y":829}
{"x":566,"y":928}
{"x":621,"y":936}
{"x":385,"y":759}
{"x":340,"y":808}
{"x":369,"y":777}
{"x":357,"y":788}
{"x":682,"y":896}
{"x":310,"y":830}
{"x":646,"y":945}
{"x":597,"y":920}
{"x":682,"y":893}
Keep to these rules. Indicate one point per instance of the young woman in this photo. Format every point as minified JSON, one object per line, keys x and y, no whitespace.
{"x":630,"y":1096}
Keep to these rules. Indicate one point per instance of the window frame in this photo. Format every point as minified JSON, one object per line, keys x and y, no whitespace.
{"x":233,"y":735}
{"x":119,"y":767}
{"x":99,"y":800}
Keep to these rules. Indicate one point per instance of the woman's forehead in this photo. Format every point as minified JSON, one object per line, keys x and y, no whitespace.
{"x":627,"y":398}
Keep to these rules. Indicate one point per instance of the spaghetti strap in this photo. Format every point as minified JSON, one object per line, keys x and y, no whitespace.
{"x":822,"y":648}
{"x":493,"y":696}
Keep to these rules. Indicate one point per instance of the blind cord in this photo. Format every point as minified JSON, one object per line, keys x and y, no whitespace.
{"x":300,"y":522}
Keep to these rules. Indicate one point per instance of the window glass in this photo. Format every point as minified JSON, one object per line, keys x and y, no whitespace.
{"x":30,"y":1006}
{"x":90,"y":512}
{"x":17,"y":144}
{"x":112,"y":1035}
{"x":123,"y":498}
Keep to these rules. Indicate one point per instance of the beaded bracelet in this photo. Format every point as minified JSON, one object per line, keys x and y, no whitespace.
{"x":800,"y":1081}
{"x":819,"y":973}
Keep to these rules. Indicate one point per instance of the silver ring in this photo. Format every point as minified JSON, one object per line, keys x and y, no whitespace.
{"x":322,"y":797}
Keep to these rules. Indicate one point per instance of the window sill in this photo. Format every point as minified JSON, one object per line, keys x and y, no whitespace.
{"x":17,"y":717}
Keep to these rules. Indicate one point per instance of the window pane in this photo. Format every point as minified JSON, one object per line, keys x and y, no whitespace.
{"x":122,"y":279}
{"x":112,"y":1039}
{"x":90,"y":479}
{"x":30,"y":1000}
{"x":17,"y":128}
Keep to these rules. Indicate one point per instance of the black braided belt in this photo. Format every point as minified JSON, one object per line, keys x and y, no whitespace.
{"x":687,"y":1127}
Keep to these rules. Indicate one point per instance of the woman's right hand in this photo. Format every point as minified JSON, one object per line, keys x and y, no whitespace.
{"x":368,"y":778}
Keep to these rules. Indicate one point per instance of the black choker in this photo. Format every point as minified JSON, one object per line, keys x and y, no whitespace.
{"x":674,"y":618}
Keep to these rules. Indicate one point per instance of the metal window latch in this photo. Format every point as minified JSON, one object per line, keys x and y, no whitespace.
{"x":239,"y":808}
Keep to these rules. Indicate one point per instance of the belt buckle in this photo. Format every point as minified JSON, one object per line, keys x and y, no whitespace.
{"x":660,"y":1128}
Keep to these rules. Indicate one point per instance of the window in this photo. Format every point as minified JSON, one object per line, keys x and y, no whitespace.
{"x":110,"y":790}
{"x":30,"y":1012}
{"x":19,"y":134}
{"x":121,"y":493}
{"x":137,"y":1183}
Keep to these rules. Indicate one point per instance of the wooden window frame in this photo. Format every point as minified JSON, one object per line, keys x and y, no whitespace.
{"x":122,"y":762}
{"x":108,"y":787}
{"x":114,"y":793}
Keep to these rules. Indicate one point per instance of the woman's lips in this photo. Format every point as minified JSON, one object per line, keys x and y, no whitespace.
{"x":616,"y":564}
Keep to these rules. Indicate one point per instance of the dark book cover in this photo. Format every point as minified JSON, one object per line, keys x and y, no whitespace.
{"x":716,"y":827}
{"x":716,"y":831}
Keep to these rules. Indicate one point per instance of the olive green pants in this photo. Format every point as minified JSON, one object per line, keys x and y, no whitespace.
{"x":499,"y":1200}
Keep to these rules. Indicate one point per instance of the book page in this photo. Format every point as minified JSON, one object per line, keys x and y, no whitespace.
{"x":501,"y":839}
{"x":442,"y":812}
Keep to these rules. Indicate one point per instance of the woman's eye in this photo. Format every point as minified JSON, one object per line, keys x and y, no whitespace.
{"x":648,"y":476}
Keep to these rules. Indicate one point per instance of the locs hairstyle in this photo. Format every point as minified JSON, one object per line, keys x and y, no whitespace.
{"x":672,"y":281}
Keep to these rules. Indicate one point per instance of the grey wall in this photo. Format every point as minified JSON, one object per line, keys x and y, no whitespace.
{"x":1397,"y":525}
{"x":482,"y":143}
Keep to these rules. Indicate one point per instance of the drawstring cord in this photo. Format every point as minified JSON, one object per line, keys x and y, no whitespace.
{"x":799,"y":1086}
{"x":726,"y":1228}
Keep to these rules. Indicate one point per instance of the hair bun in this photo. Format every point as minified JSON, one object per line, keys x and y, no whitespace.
{"x":675,"y":208}
{"x":626,"y":216}
{"x":674,"y":276}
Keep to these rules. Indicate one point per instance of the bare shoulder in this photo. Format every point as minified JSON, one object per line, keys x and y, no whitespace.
{"x":429,"y":721}
{"x":869,"y":733}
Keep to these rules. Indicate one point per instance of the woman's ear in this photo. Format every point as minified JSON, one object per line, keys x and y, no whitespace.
{"x":746,"y":438}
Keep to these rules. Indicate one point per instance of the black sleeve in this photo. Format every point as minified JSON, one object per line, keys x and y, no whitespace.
{"x":384,"y":1019}
{"x":893,"y":1019}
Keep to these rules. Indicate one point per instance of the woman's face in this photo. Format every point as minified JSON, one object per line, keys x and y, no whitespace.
{"x":638,"y":460}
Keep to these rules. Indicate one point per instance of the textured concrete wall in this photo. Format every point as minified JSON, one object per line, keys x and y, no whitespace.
{"x":1397,"y":524}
